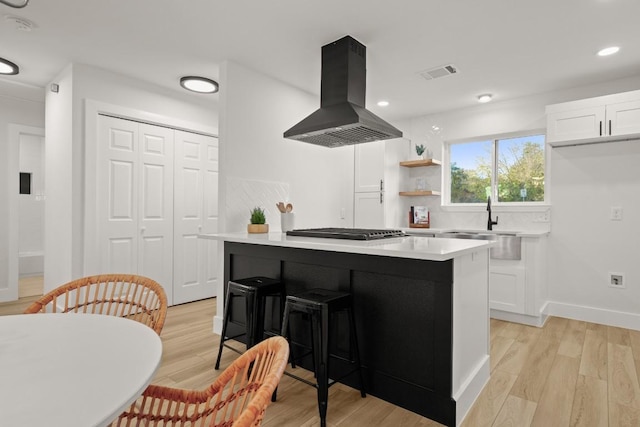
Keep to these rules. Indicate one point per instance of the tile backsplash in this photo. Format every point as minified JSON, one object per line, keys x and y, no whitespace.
{"x":243,"y":195}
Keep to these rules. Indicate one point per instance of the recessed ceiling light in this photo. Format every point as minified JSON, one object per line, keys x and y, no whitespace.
{"x":383,"y":103}
{"x":485,"y":98}
{"x":608,"y":51}
{"x":8,"y":67}
{"x":199,"y":84}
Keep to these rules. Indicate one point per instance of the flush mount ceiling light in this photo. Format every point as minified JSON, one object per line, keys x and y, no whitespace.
{"x":608,"y":51}
{"x":8,"y":67}
{"x":485,"y":98}
{"x":199,"y":84}
{"x":383,"y":103}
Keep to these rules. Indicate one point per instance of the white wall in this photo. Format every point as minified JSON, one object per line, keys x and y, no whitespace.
{"x":65,"y":150}
{"x":255,"y":110}
{"x":20,"y":105}
{"x":488,"y":119}
{"x":584,"y":245}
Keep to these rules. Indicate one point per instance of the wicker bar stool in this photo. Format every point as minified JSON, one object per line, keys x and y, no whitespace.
{"x":320,"y":305}
{"x":255,"y":291}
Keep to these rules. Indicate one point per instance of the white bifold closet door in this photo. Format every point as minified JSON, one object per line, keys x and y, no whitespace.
{"x":196,"y":212}
{"x":135,"y":200}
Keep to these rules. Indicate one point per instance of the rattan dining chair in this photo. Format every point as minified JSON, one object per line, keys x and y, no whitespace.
{"x":238,"y":397}
{"x":126,"y":295}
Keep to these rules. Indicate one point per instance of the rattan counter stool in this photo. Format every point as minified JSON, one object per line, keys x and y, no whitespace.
{"x":320,"y":305}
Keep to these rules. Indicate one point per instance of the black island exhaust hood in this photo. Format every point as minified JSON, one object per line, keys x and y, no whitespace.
{"x":342,"y":118}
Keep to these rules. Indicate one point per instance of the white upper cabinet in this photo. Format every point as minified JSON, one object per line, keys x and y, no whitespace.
{"x":369,"y":167}
{"x":601,"y":119}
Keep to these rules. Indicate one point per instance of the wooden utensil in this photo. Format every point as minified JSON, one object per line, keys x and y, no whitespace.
{"x":289,"y":207}
{"x":281,"y":207}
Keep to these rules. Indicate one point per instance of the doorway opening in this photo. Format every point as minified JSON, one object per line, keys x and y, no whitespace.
{"x":31,"y":200}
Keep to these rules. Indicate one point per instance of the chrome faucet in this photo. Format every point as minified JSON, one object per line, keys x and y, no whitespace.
{"x":490,"y":222}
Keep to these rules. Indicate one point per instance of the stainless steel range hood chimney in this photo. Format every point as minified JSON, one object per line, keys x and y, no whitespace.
{"x":342,"y":118}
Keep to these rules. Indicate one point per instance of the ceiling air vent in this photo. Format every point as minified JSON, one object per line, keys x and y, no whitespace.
{"x":434,"y":73}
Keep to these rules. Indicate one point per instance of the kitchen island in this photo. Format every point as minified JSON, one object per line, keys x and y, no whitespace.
{"x":421,"y":308}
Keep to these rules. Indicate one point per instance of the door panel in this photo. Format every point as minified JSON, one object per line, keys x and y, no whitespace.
{"x":121,"y":186}
{"x":120,"y":256}
{"x":156,"y":206}
{"x":196,"y":212}
{"x":369,"y":166}
{"x":135,"y":215}
{"x":117,"y":181}
{"x":368,"y":210}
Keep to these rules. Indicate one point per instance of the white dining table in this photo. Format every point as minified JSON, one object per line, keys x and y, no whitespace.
{"x":65,"y":370}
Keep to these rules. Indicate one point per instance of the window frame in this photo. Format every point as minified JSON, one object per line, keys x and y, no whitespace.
{"x":506,"y":206}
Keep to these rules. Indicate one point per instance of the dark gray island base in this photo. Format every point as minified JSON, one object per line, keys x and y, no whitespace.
{"x":404,"y":310}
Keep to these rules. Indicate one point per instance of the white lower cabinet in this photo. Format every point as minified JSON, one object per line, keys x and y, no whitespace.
{"x":507,"y":288}
{"x":517,"y":288}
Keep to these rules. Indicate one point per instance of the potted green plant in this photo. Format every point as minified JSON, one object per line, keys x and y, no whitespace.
{"x":420,"y":149}
{"x":258,"y":221}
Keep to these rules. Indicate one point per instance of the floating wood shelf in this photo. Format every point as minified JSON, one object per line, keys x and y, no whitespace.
{"x":420,"y":193}
{"x":419,"y":163}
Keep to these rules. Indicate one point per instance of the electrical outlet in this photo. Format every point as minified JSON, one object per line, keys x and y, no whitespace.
{"x":616,"y":280}
{"x":616,"y":213}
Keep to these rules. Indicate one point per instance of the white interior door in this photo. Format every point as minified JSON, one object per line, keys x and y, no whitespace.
{"x":196,"y":212}
{"x":155,"y":248}
{"x":117,"y":188}
{"x":135,"y":200}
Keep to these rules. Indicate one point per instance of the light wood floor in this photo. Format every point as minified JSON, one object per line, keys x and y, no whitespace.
{"x":30,"y":286}
{"x":568,"y":373}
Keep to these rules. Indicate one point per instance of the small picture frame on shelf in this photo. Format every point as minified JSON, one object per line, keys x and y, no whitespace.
{"x":419,"y":217}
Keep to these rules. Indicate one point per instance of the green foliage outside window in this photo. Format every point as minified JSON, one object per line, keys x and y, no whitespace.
{"x":520,"y":169}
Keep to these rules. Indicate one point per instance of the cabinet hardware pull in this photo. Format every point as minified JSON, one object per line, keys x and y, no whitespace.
{"x":609,"y":127}
{"x":381,"y":197}
{"x":600,"y":127}
{"x":381,"y":185}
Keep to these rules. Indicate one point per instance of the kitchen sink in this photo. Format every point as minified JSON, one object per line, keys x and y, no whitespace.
{"x":509,"y":246}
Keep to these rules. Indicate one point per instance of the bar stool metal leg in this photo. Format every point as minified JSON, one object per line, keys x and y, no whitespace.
{"x":321,"y":332}
{"x":225,"y":320}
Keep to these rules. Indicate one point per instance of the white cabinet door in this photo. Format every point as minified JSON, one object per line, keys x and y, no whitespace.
{"x":369,"y":210}
{"x":507,"y":289}
{"x":574,"y":125}
{"x":135,"y":200}
{"x":196,"y":212}
{"x":369,"y":167}
{"x":623,"y":118}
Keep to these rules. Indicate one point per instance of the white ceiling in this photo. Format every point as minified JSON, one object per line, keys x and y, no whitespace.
{"x":510,"y":48}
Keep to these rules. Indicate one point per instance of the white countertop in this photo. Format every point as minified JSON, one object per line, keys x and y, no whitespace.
{"x":416,"y":247}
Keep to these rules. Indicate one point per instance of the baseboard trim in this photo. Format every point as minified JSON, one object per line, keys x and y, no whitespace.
{"x":471,"y":389}
{"x":594,"y":315}
{"x":217,"y":325}
{"x":537,"y":321}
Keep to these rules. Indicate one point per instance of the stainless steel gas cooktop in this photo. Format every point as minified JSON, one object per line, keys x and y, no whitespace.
{"x":347,"y":233}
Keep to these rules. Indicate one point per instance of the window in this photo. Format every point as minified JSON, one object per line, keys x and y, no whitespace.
{"x":510,"y":170}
